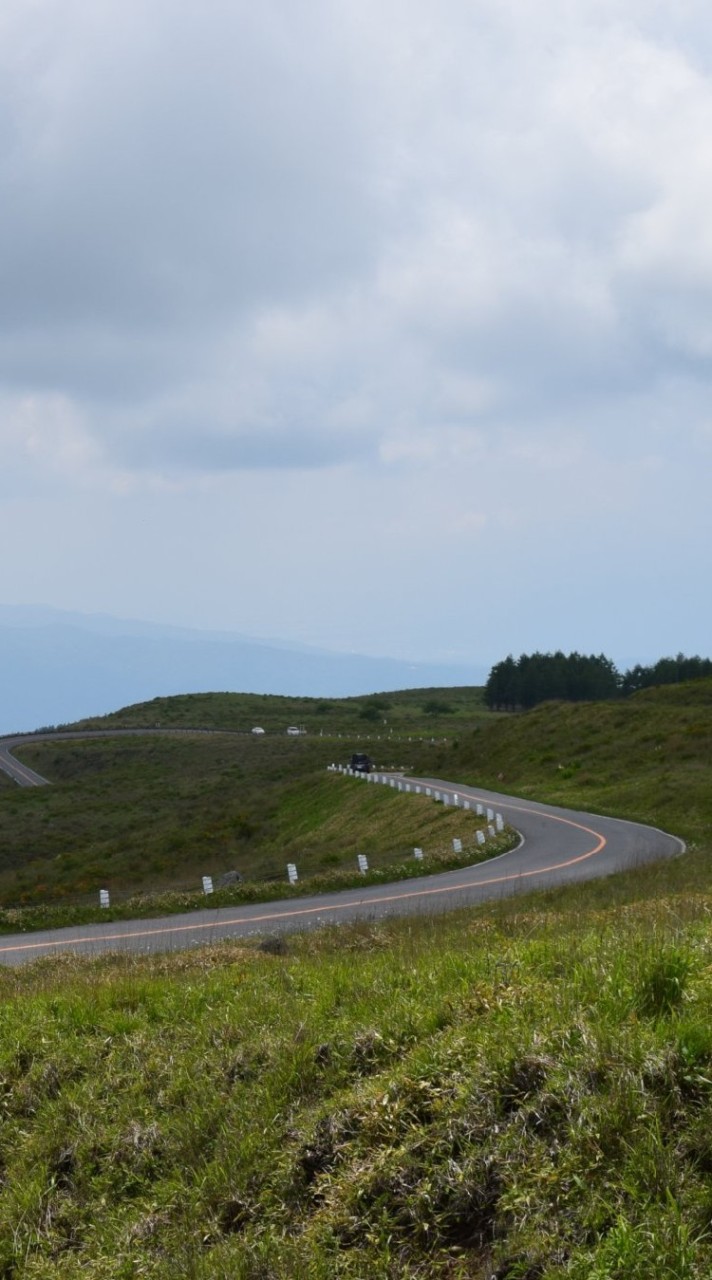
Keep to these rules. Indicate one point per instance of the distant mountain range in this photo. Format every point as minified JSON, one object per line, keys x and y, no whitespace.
{"x":57,"y":667}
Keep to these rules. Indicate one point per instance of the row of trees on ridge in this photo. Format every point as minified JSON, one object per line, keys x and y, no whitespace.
{"x":575,"y":677}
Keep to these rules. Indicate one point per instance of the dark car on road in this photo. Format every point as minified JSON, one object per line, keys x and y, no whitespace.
{"x":361,"y":763}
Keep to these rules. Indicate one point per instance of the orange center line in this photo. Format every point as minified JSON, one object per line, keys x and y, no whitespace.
{"x":600,"y":843}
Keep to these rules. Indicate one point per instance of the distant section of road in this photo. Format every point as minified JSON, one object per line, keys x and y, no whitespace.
{"x":558,"y":846}
{"x":26,"y":777}
{"x":19,"y":773}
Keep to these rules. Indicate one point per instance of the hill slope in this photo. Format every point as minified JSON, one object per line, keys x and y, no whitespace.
{"x":648,"y":757}
{"x":522,"y":1092}
{"x":522,"y":1097}
{"x":157,"y":813}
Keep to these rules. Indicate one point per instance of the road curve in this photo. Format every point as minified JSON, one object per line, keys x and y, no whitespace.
{"x":557,"y":846}
{"x":26,"y":777}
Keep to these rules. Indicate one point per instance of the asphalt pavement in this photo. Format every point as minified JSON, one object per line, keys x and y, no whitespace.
{"x":557,"y":846}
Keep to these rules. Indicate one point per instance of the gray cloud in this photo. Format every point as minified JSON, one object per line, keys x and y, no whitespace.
{"x":443,"y":272}
{"x":190,"y":445}
{"x":499,"y":193}
{"x":166,"y":166}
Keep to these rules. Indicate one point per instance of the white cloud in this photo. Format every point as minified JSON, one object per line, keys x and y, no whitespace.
{"x":45,"y":434}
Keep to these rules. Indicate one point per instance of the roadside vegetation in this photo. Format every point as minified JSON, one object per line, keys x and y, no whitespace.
{"x":147,"y":817}
{"x":522,"y":1091}
{"x":512,"y":1093}
{"x":647,"y":758}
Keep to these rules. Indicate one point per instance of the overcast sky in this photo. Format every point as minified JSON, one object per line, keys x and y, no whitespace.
{"x":382,"y":325}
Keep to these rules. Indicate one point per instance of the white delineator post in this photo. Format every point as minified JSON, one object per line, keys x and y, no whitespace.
{"x":362,"y":863}
{"x":104,"y":898}
{"x":292,"y":873}
{"x":480,"y":837}
{"x":457,"y":845}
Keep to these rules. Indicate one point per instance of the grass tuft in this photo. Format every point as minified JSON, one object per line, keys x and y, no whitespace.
{"x":662,"y":983}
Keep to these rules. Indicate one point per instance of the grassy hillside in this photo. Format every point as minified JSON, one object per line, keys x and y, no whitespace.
{"x":522,"y":1091}
{"x":429,"y":712}
{"x":649,"y":757}
{"x":151,"y":815}
{"x":156,"y":814}
{"x":503,"y":1094}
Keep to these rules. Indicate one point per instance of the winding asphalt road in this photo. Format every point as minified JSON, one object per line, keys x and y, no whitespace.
{"x":557,"y":846}
{"x":26,"y":777}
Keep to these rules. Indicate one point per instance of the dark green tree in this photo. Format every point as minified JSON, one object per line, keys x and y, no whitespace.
{"x":546,"y":677}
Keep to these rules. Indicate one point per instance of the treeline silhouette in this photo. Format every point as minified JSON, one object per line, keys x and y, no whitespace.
{"x":575,"y":677}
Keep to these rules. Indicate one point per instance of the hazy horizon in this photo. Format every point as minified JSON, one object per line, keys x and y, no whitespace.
{"x":59,"y":667}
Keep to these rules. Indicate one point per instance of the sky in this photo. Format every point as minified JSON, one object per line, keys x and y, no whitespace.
{"x":378,"y":325}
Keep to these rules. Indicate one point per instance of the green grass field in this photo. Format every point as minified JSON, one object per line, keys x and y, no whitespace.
{"x":647,"y":758}
{"x":153,"y":815}
{"x":516,"y":1093}
{"x":522,"y":1091}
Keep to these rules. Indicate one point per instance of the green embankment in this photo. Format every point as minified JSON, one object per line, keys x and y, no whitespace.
{"x":648,"y":758}
{"x":521,"y":1092}
{"x":509,"y":1094}
{"x":153,"y":815}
